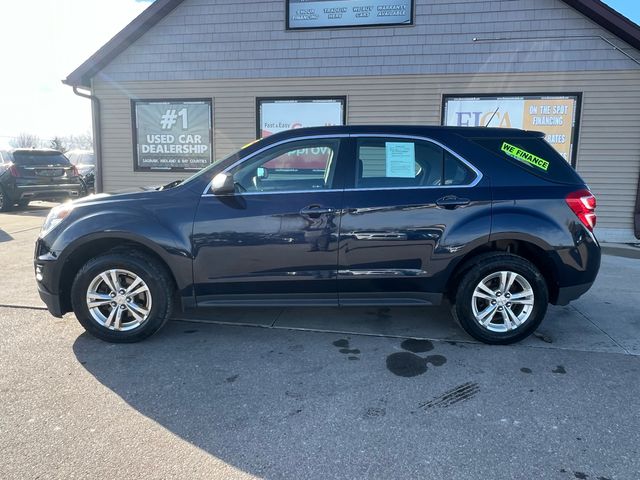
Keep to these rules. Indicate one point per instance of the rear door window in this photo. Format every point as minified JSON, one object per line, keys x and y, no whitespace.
{"x":532,"y":154}
{"x":405,"y":163}
{"x":34,"y":159}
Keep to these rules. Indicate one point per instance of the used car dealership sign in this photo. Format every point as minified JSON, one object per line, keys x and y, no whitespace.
{"x":172,"y":135}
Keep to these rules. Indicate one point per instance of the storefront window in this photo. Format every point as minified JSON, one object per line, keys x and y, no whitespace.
{"x":279,"y":114}
{"x":172,"y":134}
{"x":557,"y":116}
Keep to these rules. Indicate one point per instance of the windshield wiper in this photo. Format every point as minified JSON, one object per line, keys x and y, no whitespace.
{"x":175,"y":183}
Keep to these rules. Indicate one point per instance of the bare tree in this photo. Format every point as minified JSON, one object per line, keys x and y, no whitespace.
{"x":59,"y":144}
{"x":83,"y":141}
{"x":25,"y":140}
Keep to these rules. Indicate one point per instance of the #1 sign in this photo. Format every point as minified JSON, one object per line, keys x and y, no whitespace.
{"x":172,"y":135}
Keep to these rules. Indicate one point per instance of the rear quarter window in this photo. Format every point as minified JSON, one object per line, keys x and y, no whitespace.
{"x":28,"y":159}
{"x":534,"y":155}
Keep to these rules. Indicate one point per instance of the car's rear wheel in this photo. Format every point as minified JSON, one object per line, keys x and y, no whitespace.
{"x":501,"y":299}
{"x":122,"y":297}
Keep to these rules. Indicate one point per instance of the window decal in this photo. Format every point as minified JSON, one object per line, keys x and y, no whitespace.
{"x":400,"y":159}
{"x":524,"y":156}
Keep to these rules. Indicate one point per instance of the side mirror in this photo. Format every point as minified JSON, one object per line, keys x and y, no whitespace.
{"x":223,"y":184}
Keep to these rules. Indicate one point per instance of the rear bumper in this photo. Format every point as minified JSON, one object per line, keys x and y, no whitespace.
{"x":33,"y":192}
{"x":568,"y":294}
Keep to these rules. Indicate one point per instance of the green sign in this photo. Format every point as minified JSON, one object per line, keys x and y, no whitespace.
{"x":524,"y":156}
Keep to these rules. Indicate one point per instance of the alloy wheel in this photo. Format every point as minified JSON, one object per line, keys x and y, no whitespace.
{"x":119,"y":300}
{"x":502,"y":301}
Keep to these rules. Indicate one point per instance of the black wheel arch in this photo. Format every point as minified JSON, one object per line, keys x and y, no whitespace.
{"x":528,"y":250}
{"x":78,"y":254}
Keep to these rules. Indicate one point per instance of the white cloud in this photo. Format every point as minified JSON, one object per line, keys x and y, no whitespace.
{"x":42,"y":42}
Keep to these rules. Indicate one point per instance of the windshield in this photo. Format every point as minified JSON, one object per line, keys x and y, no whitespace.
{"x":39,"y":159}
{"x":207,"y":170}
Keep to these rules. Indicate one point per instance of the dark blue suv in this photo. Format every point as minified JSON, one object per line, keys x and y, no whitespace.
{"x":493,"y":221}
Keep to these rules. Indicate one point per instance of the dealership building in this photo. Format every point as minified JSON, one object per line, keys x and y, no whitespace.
{"x":189,"y":81}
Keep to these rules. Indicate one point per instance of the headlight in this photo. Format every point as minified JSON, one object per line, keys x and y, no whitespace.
{"x":55,"y":217}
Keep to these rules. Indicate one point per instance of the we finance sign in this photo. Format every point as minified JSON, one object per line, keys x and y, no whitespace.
{"x":554,"y":115}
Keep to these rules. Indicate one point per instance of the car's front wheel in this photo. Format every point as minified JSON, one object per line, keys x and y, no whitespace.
{"x":501,"y":299}
{"x":5,"y":201}
{"x":122,"y":297}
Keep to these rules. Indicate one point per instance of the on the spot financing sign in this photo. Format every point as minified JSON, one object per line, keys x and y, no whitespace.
{"x":172,"y":135}
{"x":555,"y":115}
{"x":277,"y":115}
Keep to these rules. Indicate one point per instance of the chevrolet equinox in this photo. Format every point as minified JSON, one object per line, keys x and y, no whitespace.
{"x":493,"y":221}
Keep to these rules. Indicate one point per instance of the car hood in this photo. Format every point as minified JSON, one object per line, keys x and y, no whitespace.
{"x":118,"y":195}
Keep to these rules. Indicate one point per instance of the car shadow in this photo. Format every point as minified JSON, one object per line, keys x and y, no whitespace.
{"x":273,"y":403}
{"x":4,"y":236}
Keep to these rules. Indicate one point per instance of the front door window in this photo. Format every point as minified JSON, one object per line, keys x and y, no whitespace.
{"x":306,"y":165}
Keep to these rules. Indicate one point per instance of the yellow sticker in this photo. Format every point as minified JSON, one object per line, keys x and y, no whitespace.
{"x":525,"y":156}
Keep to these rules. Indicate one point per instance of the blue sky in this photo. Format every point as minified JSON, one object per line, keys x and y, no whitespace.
{"x":629,"y":8}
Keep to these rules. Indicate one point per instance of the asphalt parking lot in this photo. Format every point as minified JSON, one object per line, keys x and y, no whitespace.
{"x":318,"y":393}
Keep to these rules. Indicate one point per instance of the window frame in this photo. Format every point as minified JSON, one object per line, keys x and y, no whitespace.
{"x":391,"y":139}
{"x":341,"y":99}
{"x":134,"y":133}
{"x":330,"y":168}
{"x":383,"y":136}
{"x":343,"y":137}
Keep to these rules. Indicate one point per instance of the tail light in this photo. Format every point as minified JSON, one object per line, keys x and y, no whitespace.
{"x":74,"y":171}
{"x":583,"y":204}
{"x":13,"y":171}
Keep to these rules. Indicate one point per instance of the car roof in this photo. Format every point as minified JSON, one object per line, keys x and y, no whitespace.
{"x":37,"y":151}
{"x":419,"y":130}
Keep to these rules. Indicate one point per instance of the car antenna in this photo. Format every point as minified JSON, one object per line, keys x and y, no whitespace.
{"x":494,"y":114}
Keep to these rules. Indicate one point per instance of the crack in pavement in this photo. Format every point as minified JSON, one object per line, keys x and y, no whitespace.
{"x":586,"y":317}
{"x":23,"y":307}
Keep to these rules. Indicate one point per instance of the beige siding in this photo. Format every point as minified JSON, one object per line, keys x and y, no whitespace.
{"x":608,"y":150}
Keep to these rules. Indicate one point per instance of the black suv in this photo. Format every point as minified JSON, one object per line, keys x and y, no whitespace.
{"x":492,"y":220}
{"x":37,"y":174}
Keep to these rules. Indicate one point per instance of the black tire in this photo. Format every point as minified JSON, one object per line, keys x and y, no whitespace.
{"x":5,"y":201}
{"x":484,"y":267}
{"x":158,"y":281}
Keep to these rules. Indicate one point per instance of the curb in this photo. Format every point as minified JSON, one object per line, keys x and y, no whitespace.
{"x":621,"y":250}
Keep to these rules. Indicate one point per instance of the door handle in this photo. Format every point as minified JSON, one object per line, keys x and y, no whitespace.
{"x":451,"y":201}
{"x":314,"y":211}
{"x":380,"y":236}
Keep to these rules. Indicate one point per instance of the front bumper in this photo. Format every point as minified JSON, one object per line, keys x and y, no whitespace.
{"x":50,"y":300}
{"x":46,"y":272}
